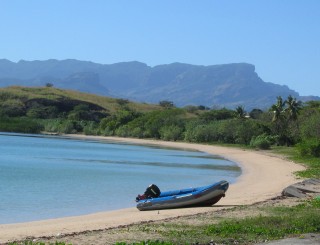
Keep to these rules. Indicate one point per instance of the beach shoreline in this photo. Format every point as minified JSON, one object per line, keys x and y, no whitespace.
{"x":263,"y":177}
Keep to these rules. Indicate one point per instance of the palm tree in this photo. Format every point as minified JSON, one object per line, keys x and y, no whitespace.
{"x":293,"y":107}
{"x":285,"y":112}
{"x":240,"y":112}
{"x":278,"y":109}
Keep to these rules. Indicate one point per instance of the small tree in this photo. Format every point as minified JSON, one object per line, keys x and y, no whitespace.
{"x":122,"y":102}
{"x":166,"y":104}
{"x":278,"y":109}
{"x":240,"y":112}
{"x":293,"y":107}
{"x":255,"y":113}
{"x":284,"y":119}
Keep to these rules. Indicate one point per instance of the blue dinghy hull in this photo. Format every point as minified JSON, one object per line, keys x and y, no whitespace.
{"x":191,"y":197}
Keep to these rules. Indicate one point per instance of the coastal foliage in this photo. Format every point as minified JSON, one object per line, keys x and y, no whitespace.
{"x":263,"y":141}
{"x":20,"y":125}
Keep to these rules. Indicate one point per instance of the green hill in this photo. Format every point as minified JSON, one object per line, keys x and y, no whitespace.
{"x":54,"y":96}
{"x":35,"y":109}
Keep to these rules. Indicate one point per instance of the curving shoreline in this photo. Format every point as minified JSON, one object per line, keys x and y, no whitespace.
{"x":263,"y":177}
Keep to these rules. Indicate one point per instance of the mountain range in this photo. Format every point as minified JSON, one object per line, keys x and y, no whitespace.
{"x":228,"y":85}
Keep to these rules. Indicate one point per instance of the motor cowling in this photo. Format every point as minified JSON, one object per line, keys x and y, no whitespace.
{"x":152,"y":191}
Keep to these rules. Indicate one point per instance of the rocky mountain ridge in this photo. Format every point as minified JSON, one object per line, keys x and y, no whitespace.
{"x":228,"y":85}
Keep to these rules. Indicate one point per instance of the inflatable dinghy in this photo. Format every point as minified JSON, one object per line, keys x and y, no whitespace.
{"x":208,"y":195}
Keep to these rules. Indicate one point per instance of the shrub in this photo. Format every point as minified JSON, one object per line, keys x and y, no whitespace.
{"x":67,"y":127}
{"x":138,"y":133}
{"x":166,"y":104}
{"x":134,"y":128}
{"x":13,"y":108}
{"x":123,"y":131}
{"x":244,"y":130}
{"x":213,"y":115}
{"x":199,"y":132}
{"x":43,"y":112}
{"x":262,"y":141}
{"x":310,"y":127}
{"x":172,"y":132}
{"x":309,"y":147}
{"x":225,"y":131}
{"x":52,"y":125}
{"x":156,"y":120}
{"x":21,"y":125}
{"x":91,"y":128}
{"x":110,"y":124}
{"x":107,"y":131}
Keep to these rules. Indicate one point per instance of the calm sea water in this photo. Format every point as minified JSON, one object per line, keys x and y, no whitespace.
{"x":44,"y":177}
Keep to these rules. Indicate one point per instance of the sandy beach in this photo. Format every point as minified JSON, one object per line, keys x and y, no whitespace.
{"x":263,"y":177}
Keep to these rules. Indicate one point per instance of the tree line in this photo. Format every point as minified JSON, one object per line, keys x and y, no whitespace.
{"x":287,"y":122}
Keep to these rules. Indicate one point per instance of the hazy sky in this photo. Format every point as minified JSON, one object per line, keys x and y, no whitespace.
{"x":280,"y":37}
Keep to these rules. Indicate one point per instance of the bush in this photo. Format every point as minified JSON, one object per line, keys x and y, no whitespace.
{"x":64,"y":126}
{"x":225,"y":131}
{"x":43,"y":112}
{"x":67,"y":127}
{"x":21,"y":125}
{"x":213,"y":115}
{"x":107,"y":132}
{"x":310,"y":126}
{"x":262,"y":141}
{"x":310,"y":147}
{"x":155,"y":121}
{"x":123,"y":131}
{"x":172,"y":132}
{"x":202,"y":132}
{"x":110,"y":124}
{"x":244,"y":130}
{"x":12,"y":108}
{"x":52,"y":125}
{"x":91,"y":128}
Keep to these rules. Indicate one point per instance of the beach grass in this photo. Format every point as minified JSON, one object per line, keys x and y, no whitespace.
{"x":280,"y":223}
{"x":275,"y":223}
{"x":255,"y":224}
{"x":311,"y":163}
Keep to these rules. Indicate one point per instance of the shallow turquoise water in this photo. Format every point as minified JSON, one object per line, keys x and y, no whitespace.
{"x":45,"y":177}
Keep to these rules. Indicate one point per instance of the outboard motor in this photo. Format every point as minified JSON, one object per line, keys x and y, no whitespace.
{"x":152,"y":191}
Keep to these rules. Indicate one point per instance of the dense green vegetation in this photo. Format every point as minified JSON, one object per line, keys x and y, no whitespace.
{"x":287,"y":123}
{"x":57,"y":110}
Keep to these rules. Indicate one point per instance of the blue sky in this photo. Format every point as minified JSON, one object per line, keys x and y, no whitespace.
{"x":280,"y":37}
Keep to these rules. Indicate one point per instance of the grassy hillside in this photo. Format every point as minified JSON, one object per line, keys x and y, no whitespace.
{"x":36,"y":109}
{"x":51,"y":93}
